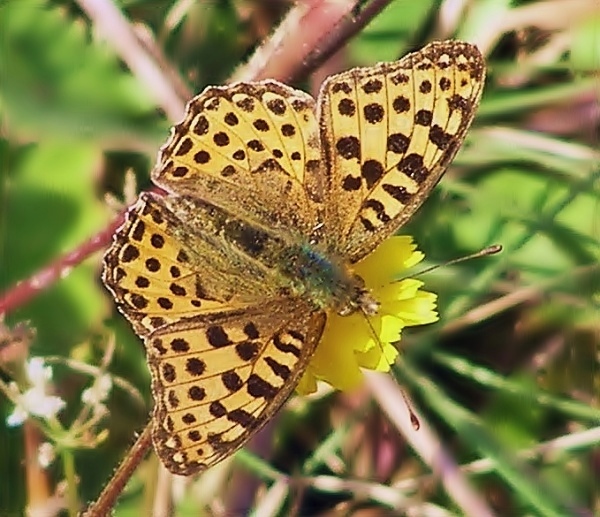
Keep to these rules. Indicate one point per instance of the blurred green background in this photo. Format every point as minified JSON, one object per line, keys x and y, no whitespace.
{"x":514,"y":361}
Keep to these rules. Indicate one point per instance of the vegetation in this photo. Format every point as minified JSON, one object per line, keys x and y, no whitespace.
{"x":506,"y":386}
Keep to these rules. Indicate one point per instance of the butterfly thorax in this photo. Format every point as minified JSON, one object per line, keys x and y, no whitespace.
{"x":326,"y":280}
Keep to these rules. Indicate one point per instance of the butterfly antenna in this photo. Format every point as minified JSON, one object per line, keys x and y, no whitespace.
{"x":374,"y":334}
{"x":414,"y":420}
{"x":490,"y":250}
{"x":485,"y":252}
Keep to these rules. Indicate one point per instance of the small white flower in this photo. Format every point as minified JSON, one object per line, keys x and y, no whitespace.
{"x":17,"y":417}
{"x":34,"y":401}
{"x":98,"y":392}
{"x":46,"y":454}
{"x":37,"y":372}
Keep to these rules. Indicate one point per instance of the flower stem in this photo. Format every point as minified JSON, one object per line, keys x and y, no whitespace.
{"x":104,"y":504}
{"x":71,"y":478}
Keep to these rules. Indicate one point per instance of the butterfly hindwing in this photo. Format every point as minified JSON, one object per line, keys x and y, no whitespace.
{"x":218,"y":379}
{"x":159,"y":274}
{"x":224,"y":346}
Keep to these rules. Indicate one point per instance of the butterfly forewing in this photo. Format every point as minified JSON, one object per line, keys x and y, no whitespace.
{"x":245,"y":146}
{"x":388,"y":134}
{"x":159,"y":274}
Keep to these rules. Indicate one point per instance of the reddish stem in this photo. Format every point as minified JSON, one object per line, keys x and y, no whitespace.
{"x":59,"y":268}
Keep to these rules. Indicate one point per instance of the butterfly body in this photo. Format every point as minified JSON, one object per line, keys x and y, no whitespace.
{"x":325,"y":279}
{"x":272,"y":199}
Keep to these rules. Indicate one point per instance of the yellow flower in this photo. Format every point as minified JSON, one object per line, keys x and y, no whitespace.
{"x":349,"y":342}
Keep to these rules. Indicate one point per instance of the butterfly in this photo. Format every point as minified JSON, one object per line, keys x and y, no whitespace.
{"x":271,"y":198}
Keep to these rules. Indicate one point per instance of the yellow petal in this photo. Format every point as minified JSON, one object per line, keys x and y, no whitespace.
{"x":387,"y":262}
{"x":379,"y":358}
{"x":307,"y":384}
{"x":418,"y":310}
{"x":334,"y":360}
{"x":391,"y":327}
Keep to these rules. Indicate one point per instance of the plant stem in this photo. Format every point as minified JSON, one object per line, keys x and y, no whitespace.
{"x":107,"y":499}
{"x":71,"y":478}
